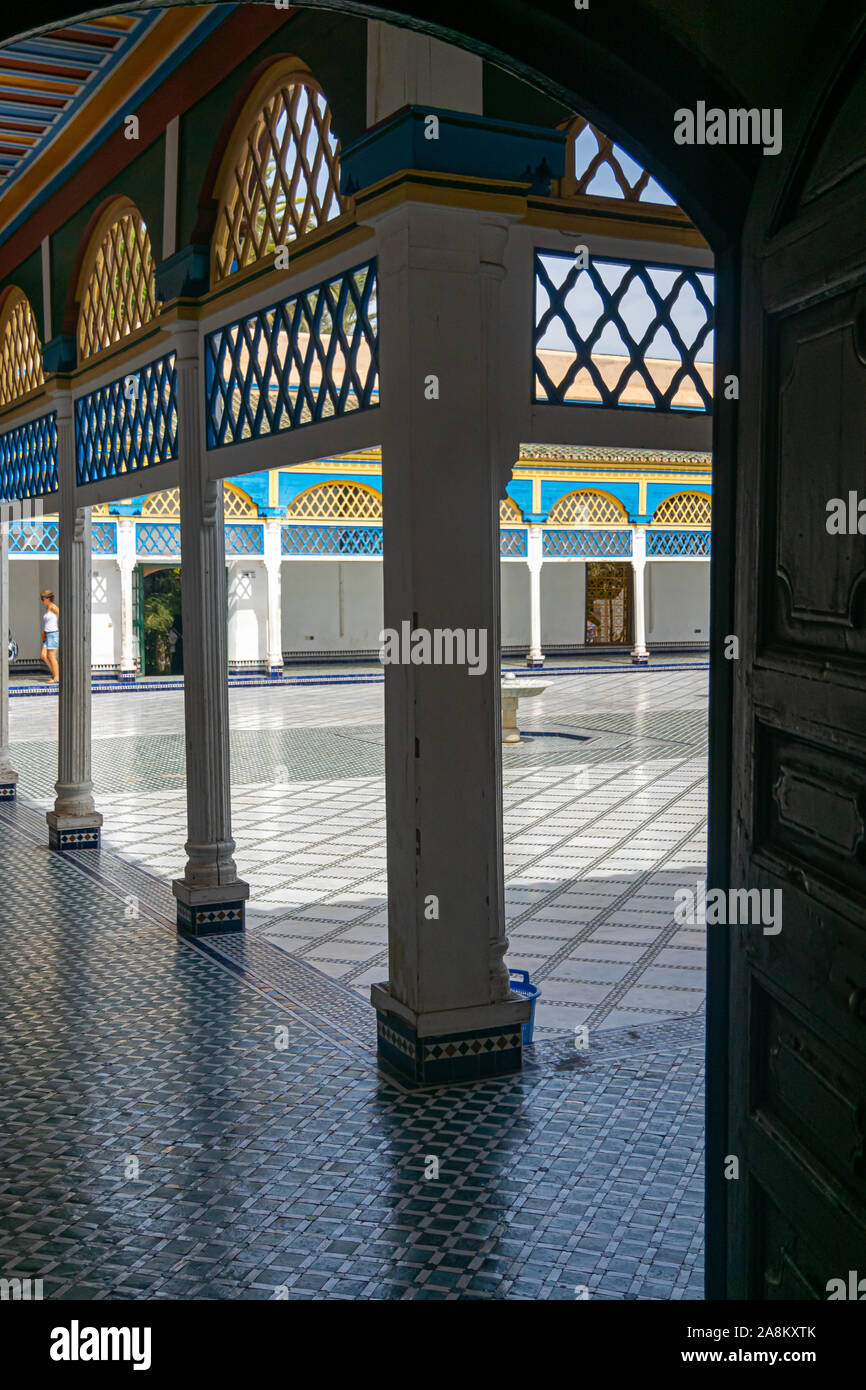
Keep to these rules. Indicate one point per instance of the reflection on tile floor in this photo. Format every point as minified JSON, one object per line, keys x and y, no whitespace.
{"x":598,"y":833}
{"x":205,"y":1120}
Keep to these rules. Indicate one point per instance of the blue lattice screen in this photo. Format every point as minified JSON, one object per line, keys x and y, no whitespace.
{"x":512,"y":543}
{"x":123,"y":429}
{"x":591,"y":544}
{"x":104,"y":538}
{"x":332,"y":540}
{"x":309,"y":358}
{"x":34,"y":538}
{"x":677,"y":543}
{"x":622,"y":333}
{"x":28,"y":459}
{"x":39,"y":537}
{"x":157,"y":538}
{"x":244,"y":539}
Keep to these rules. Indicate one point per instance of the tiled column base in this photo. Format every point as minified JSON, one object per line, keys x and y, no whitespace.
{"x":74,"y":832}
{"x":640,"y":658}
{"x":206,"y":911}
{"x":422,"y":1058}
{"x":126,"y":677}
{"x":275,"y":672}
{"x":535,"y":663}
{"x":8,"y":789}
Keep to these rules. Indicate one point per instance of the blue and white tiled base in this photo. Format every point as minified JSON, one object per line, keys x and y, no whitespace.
{"x":431,"y":1061}
{"x":8,"y":791}
{"x":85,"y":837}
{"x":204,"y":912}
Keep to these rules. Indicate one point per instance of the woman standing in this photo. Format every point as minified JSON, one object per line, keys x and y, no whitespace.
{"x":50,"y":635}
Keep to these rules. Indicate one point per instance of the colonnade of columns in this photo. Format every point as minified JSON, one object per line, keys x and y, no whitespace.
{"x":449,"y":428}
{"x":535,"y":563}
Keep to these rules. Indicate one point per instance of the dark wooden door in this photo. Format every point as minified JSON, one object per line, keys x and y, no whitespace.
{"x":796,"y":1088}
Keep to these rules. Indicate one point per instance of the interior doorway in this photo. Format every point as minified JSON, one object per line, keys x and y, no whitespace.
{"x":608,"y":604}
{"x":157,"y":622}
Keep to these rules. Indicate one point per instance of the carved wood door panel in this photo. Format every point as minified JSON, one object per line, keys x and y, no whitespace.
{"x":797,"y":995}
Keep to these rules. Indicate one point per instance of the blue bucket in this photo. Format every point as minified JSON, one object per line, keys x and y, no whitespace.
{"x":520,"y":985}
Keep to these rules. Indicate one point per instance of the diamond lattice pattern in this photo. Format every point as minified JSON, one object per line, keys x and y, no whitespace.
{"x":623,"y":333}
{"x":337,"y":502}
{"x":586,"y":508}
{"x":601,"y":168}
{"x":309,"y":358}
{"x":120,"y":294}
{"x":167,"y":504}
{"x":20,"y":350}
{"x":120,"y":430}
{"x":28,"y":459}
{"x":684,"y":509}
{"x":286,"y":182}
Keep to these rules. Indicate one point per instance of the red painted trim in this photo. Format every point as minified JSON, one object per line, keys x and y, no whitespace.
{"x":238,"y":36}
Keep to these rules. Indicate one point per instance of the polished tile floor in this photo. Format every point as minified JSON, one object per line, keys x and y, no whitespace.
{"x":204,"y":1120}
{"x":604,"y":816}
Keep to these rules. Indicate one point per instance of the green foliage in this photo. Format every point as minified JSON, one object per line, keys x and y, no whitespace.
{"x":161,"y":611}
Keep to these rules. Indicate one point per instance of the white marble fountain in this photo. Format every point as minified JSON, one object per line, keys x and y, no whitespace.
{"x":515,"y":689}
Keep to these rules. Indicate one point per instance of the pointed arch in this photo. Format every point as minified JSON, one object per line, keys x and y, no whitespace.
{"x":21,"y":369}
{"x":588,"y":507}
{"x":279,"y":178}
{"x":337,"y":501}
{"x":116,"y":291}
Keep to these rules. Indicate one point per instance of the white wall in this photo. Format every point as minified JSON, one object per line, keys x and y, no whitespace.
{"x":678,"y":601}
{"x":248,"y":612}
{"x":563,"y":603}
{"x":331,"y":605}
{"x":26,"y":578}
{"x":514,"y":603}
{"x":104,"y":614}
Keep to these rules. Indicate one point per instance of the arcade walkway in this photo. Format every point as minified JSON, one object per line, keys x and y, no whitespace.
{"x":162,"y":1137}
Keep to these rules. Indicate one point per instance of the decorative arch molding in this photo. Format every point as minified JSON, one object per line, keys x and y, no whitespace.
{"x":116,"y":287}
{"x":21,"y":369}
{"x":237,"y":504}
{"x":337,"y":500}
{"x":588,"y":507}
{"x":279,"y":176}
{"x":684,"y":509}
{"x":509,"y":510}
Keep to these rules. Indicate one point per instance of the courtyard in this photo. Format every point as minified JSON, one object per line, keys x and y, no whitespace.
{"x":604,"y":816}
{"x":204,"y":1118}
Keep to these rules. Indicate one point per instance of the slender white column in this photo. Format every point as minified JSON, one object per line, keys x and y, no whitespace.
{"x":210,"y":895}
{"x":273,"y":569}
{"x":640,"y":652}
{"x":74,"y":820}
{"x":8,"y":776}
{"x":534,"y":562}
{"x":126,"y":564}
{"x":439,"y":274}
